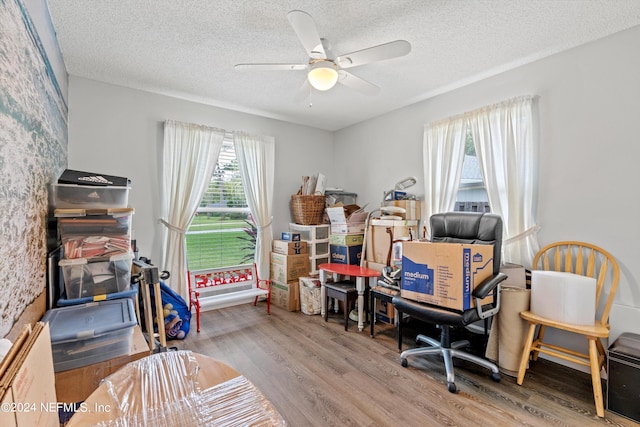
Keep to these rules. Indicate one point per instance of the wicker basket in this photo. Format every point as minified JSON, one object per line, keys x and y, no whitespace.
{"x":307,"y":210}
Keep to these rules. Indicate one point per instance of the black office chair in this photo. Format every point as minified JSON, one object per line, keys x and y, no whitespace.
{"x":457,"y":227}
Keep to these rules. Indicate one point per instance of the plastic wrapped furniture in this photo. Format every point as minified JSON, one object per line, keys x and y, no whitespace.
{"x":173,"y":389}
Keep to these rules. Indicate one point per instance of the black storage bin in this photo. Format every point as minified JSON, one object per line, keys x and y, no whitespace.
{"x":623,"y":385}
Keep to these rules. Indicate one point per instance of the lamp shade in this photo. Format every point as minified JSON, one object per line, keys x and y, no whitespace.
{"x":323,"y":75}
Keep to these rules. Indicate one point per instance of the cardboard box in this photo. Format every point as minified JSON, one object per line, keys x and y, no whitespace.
{"x":346,"y":221}
{"x":285,"y":268}
{"x":411,"y":207}
{"x":339,"y":254}
{"x":384,"y":312}
{"x":374,"y":265}
{"x":353,"y":228}
{"x":379,"y":240}
{"x":444,"y":274}
{"x":290,"y":237}
{"x":27,"y":381}
{"x":7,"y":419}
{"x":340,"y":215}
{"x":75,"y":385}
{"x":286,"y":295}
{"x":346,"y":239}
{"x":289,"y":248}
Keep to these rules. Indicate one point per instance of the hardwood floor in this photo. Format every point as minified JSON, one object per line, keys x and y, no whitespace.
{"x":316,"y":374}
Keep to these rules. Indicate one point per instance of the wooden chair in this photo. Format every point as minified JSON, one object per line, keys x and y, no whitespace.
{"x":587,"y":260}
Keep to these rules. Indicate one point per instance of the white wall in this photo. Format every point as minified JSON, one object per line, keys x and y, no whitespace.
{"x":118,"y":131}
{"x":588,"y":106}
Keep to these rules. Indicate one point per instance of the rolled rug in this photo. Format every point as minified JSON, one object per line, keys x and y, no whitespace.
{"x":513,"y":329}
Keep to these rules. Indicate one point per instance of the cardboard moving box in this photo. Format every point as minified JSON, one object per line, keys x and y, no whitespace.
{"x":379,"y":239}
{"x":444,"y":274}
{"x":346,"y":239}
{"x":286,"y":295}
{"x":290,"y":237}
{"x":347,"y":219}
{"x":286,"y":268}
{"x":27,"y":388}
{"x":286,"y":247}
{"x":345,"y":254}
{"x":384,"y":312}
{"x":411,"y":207}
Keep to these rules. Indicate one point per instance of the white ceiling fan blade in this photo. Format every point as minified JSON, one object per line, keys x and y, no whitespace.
{"x":285,"y":67}
{"x":303,"y":95}
{"x":305,"y":29}
{"x":376,"y":53}
{"x":357,"y":83}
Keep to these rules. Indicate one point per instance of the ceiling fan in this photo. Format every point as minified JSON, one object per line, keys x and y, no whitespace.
{"x":325,"y":69}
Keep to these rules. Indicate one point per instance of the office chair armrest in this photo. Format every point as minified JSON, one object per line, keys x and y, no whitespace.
{"x":492,"y":284}
{"x":488,"y":285}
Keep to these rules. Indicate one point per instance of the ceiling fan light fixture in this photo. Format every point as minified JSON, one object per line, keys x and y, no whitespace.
{"x":323,"y":75}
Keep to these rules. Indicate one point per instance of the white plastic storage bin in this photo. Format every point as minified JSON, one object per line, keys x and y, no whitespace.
{"x":116,"y":221}
{"x":314,"y":262}
{"x":318,"y":248}
{"x":311,"y":233}
{"x":85,"y":277}
{"x":70,"y":196}
{"x":90,"y":333}
{"x":88,"y":233}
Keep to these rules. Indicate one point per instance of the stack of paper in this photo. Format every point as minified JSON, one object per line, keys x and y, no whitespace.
{"x":313,"y":185}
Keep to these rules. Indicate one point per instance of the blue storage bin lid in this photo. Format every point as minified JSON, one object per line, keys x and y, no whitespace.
{"x":85,"y":321}
{"x":64,"y":302}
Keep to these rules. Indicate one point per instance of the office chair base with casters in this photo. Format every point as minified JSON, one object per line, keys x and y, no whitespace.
{"x":448,"y":354}
{"x":444,"y":347}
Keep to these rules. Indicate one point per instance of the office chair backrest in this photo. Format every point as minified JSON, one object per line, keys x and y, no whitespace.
{"x":471,"y":228}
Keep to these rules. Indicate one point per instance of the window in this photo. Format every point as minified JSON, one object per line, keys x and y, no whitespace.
{"x":472,"y":194}
{"x":222,"y":234}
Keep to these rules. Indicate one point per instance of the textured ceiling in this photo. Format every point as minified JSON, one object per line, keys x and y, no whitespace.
{"x":188,"y":49}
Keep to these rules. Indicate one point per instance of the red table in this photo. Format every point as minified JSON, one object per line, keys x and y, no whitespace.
{"x":360,"y":274}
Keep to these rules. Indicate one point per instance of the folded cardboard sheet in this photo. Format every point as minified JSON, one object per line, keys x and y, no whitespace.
{"x":27,"y":389}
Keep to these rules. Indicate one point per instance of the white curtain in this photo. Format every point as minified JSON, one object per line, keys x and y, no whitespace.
{"x":190,"y":155}
{"x":443,"y":154}
{"x":507,"y":154}
{"x":256,"y":160}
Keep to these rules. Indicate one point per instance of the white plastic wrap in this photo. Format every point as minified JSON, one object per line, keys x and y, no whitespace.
{"x":563,"y":297}
{"x":173,"y":389}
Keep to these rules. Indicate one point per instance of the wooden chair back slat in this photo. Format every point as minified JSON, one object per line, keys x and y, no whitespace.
{"x":568,"y":259}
